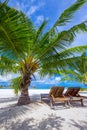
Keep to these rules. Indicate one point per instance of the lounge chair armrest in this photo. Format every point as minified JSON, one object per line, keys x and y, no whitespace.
{"x":84,"y":97}
{"x":78,"y":95}
{"x":81,"y":96}
{"x":52,"y":96}
{"x":63,"y":96}
{"x":69,"y":95}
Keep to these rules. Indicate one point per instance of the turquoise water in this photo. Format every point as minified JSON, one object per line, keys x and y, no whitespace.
{"x":65,"y":84}
{"x":38,"y":85}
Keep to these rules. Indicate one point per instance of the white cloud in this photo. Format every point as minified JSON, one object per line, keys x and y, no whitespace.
{"x":39,"y":19}
{"x":39,"y":81}
{"x":21,"y":6}
{"x":34,"y":8}
{"x":29,"y":7}
{"x":7,"y":77}
{"x":18,"y":6}
{"x":57,"y":78}
{"x":54,"y":80}
{"x":38,"y":77}
{"x":47,"y":79}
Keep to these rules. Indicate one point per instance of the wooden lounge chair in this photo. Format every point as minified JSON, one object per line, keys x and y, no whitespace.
{"x":68,"y":92}
{"x":47,"y":96}
{"x":73,"y":93}
{"x":56,"y":95}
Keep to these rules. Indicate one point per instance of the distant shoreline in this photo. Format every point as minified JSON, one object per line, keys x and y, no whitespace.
{"x":8,"y":93}
{"x":6,"y":85}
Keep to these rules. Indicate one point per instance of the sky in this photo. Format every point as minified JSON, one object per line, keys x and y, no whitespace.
{"x":39,"y":10}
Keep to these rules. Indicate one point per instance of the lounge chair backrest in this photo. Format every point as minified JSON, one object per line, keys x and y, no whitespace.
{"x":53,"y":91}
{"x":56,"y":91}
{"x":75,"y":91}
{"x":68,"y":91}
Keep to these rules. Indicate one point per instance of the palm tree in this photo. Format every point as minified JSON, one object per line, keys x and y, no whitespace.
{"x":25,"y":49}
{"x":78,"y":72}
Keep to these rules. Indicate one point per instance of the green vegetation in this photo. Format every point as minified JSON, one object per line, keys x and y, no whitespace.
{"x":25,"y":49}
{"x":78,"y":72}
{"x":83,"y":89}
{"x":15,"y":84}
{"x":34,"y":87}
{"x":1,"y":86}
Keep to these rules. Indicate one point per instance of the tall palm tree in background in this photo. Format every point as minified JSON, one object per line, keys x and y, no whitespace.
{"x":25,"y":49}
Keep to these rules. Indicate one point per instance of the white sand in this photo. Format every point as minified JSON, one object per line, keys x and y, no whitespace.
{"x":39,"y":116}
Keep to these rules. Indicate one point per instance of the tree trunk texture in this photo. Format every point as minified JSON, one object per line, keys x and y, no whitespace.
{"x":24,"y":98}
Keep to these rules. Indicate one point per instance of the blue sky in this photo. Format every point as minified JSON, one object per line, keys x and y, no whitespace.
{"x":37,"y":11}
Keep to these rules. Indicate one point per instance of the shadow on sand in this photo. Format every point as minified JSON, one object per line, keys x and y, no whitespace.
{"x":50,"y":123}
{"x":80,"y":125}
{"x":15,"y":117}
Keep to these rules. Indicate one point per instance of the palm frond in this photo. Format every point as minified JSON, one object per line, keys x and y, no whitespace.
{"x":8,"y":65}
{"x":3,"y":4}
{"x":39,"y":32}
{"x":62,"y":40}
{"x":57,"y":64}
{"x":15,"y":84}
{"x":73,"y":51}
{"x":14,"y":33}
{"x":68,"y":14}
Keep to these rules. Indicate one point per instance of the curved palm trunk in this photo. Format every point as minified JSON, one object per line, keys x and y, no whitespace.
{"x":24,"y":97}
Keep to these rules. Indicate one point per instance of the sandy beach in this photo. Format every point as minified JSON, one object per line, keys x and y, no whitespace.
{"x":38,"y":115}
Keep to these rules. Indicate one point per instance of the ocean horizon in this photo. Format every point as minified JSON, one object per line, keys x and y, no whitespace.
{"x":38,"y":85}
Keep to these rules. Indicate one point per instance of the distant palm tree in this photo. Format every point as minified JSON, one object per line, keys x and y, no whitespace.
{"x":78,"y":72}
{"x":25,"y":49}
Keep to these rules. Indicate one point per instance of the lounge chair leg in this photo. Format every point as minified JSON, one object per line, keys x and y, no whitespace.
{"x":41,"y":99}
{"x":51,"y":104}
{"x":82,"y":102}
{"x":68,"y":102}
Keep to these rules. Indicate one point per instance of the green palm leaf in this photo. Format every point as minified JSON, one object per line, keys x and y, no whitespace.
{"x":25,"y":49}
{"x":14,"y":33}
{"x":68,"y":14}
{"x":61,"y":41}
{"x":15,"y":84}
